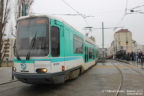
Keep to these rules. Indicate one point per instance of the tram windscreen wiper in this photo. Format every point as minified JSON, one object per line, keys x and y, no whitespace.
{"x":17,"y":55}
{"x":31,"y":46}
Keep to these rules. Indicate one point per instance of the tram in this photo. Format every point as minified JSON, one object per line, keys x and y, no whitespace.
{"x":48,"y":50}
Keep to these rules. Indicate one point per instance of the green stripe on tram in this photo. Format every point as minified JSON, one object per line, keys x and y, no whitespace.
{"x":50,"y":59}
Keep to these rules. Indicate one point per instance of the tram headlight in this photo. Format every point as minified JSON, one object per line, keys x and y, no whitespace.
{"x":41,"y":70}
{"x":44,"y":70}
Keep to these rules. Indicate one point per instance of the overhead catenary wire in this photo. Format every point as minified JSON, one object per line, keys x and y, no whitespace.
{"x":138,"y":7}
{"x":71,"y":7}
{"x":132,"y":10}
{"x":103,"y":28}
{"x":137,"y":11}
{"x":125,"y":12}
{"x":80,"y":14}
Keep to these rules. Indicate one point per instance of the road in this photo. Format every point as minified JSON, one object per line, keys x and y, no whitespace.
{"x":111,"y":78}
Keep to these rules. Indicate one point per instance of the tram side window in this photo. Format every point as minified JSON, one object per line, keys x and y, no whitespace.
{"x":55,"y":41}
{"x":93,"y":54}
{"x":78,"y":45}
{"x":96,"y":54}
{"x":90,"y":53}
{"x":85,"y":55}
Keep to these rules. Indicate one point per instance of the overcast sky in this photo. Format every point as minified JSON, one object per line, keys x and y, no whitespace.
{"x":111,"y":12}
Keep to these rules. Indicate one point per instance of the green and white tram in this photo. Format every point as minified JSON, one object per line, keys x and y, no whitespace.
{"x":48,"y":50}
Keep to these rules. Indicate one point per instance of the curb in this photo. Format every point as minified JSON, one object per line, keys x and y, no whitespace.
{"x":11,"y":81}
{"x":124,"y":61}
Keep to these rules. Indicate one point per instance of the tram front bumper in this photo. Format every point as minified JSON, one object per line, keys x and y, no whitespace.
{"x":41,"y":78}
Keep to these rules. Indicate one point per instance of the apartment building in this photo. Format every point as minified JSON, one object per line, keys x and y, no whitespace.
{"x":123,"y":40}
{"x":7,"y":49}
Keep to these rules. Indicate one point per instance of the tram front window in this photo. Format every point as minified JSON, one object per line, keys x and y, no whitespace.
{"x":32,"y":37}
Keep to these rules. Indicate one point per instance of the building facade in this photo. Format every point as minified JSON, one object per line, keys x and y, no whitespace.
{"x":111,"y":50}
{"x":140,"y":47}
{"x":123,"y":41}
{"x":7,"y":49}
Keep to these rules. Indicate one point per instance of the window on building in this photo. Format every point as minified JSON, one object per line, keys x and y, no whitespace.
{"x":55,"y":41}
{"x":6,"y":47}
{"x":121,"y":47}
{"x":90,"y":53}
{"x":6,"y":51}
{"x":6,"y":55}
{"x":7,"y":44}
{"x":78,"y":45}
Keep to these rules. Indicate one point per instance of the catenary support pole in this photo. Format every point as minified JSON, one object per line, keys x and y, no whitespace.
{"x":103,"y":59}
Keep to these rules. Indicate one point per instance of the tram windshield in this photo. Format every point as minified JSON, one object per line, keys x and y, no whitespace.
{"x":32,"y":37}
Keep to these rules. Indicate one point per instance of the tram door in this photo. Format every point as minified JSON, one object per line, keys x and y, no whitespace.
{"x":57,"y":39}
{"x":86,"y":54}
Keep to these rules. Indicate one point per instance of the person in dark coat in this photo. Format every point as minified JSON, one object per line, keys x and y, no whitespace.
{"x":131,"y":56}
{"x":139,"y":57}
{"x":142,"y":60}
{"x":134,"y":56}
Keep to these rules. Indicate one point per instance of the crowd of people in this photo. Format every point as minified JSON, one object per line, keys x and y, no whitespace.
{"x":133,"y":56}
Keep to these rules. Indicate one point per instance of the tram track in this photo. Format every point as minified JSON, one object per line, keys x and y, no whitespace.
{"x":135,"y":70}
{"x":122,"y":83}
{"x":128,"y":85}
{"x":121,"y":79}
{"x":127,"y":64}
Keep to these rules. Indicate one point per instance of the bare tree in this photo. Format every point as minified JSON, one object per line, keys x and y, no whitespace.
{"x":23,"y":5}
{"x":4,"y":14}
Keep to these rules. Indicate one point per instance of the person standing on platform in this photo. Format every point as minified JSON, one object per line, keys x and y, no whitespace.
{"x":134,"y":56}
{"x":139,"y":57}
{"x":142,"y":60}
